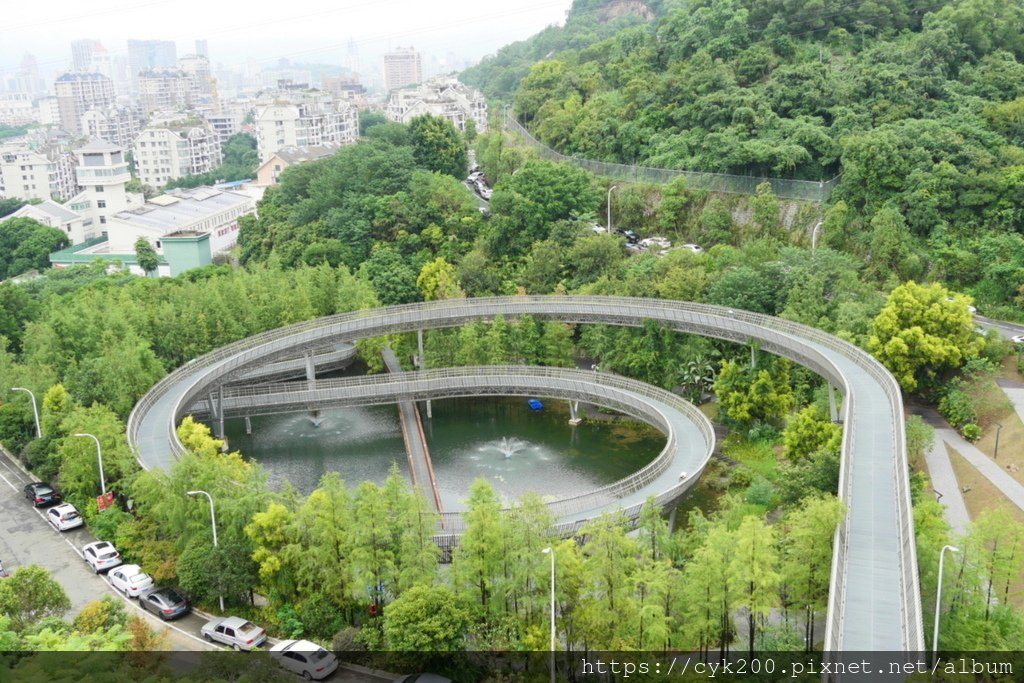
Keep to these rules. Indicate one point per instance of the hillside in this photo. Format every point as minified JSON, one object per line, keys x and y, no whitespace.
{"x":918,"y":103}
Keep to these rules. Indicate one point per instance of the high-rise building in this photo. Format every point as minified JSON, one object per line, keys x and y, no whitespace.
{"x":81,"y":53}
{"x":144,"y":55}
{"x":77,"y":93}
{"x":302,"y":118}
{"x":164,"y":90}
{"x":441,"y":96}
{"x":197,"y":67}
{"x":202,"y":49}
{"x":401,"y":68}
{"x":117,"y":125}
{"x":177,"y":149}
{"x":36,"y":173}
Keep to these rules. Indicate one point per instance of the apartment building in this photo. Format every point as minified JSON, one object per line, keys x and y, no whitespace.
{"x":270,"y":171}
{"x":16,"y":109}
{"x":303,"y":119}
{"x":117,"y":125}
{"x":226,"y":123}
{"x":175,"y":150}
{"x":197,"y":68}
{"x":442,"y":96}
{"x":165,"y":90}
{"x":144,"y":55}
{"x":42,"y":173}
{"x":77,"y":93}
{"x":401,"y":68}
{"x":81,"y":53}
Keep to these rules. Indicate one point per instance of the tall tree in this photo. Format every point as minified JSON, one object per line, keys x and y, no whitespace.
{"x":438,"y":146}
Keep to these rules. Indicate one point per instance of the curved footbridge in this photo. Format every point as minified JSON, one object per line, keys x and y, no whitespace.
{"x":874,"y":599}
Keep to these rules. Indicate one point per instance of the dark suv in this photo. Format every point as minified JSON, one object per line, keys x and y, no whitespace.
{"x":42,"y":494}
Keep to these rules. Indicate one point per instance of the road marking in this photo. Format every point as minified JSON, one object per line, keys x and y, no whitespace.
{"x":15,"y":488}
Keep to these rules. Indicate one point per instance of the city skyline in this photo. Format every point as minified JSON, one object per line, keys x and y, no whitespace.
{"x":312,"y":36}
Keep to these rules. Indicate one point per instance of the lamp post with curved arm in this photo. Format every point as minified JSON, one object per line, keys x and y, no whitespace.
{"x":551,"y":551}
{"x":99,"y":457}
{"x":213,"y":523}
{"x":35,"y":409}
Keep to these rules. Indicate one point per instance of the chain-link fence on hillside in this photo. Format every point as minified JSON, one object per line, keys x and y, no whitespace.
{"x":783,"y":188}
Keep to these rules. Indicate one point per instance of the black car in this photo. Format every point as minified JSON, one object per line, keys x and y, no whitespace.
{"x":42,"y":494}
{"x":166,"y":603}
{"x":631,"y":237}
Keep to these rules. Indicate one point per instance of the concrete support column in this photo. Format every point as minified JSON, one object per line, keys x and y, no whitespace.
{"x":220,"y":411}
{"x":833,"y":409}
{"x":753,"y":357}
{"x":422,"y":365}
{"x":248,"y":425}
{"x":310,"y":370}
{"x":574,"y":413}
{"x":672,"y":519}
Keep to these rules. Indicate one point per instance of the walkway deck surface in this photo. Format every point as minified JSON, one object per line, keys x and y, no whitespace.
{"x":421,"y":469}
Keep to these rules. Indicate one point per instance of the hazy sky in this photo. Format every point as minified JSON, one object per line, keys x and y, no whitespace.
{"x":311,"y":31}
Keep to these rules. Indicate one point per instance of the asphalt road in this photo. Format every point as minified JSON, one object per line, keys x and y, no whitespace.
{"x":27,"y":538}
{"x":1006,"y":329}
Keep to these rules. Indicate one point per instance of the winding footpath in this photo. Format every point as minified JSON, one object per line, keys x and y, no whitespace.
{"x":874,"y":599}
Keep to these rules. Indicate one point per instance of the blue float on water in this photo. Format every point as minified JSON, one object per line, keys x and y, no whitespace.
{"x":535,"y":404}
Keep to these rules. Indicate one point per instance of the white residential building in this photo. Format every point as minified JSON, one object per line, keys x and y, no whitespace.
{"x":197,"y":68}
{"x":47,"y":111}
{"x":118,"y":125}
{"x":226,"y":123}
{"x":53,"y":214}
{"x":442,"y":96}
{"x":43,"y":173}
{"x":165,"y":152}
{"x":165,"y":90}
{"x":401,"y":68}
{"x":16,"y":109}
{"x":270,"y":170}
{"x":303,"y":119}
{"x":77,"y":93}
{"x":103,"y":174}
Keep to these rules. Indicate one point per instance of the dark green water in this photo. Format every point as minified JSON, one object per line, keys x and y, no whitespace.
{"x":500,"y":439}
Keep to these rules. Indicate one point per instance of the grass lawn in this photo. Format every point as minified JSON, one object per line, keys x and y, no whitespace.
{"x":981,"y":496}
{"x":759,"y":456}
{"x":1011,"y":444}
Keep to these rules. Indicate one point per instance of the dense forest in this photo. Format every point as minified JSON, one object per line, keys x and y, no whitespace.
{"x":917,"y":104}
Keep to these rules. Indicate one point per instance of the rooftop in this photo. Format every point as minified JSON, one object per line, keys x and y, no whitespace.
{"x":97,"y":145}
{"x":295,"y":155}
{"x":180,"y":208}
{"x":48,"y":207}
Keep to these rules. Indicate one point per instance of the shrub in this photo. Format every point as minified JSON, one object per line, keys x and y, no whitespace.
{"x":971,"y":432}
{"x":956,"y":406}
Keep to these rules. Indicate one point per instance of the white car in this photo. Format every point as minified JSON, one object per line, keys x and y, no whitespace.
{"x":237,"y":632}
{"x":304,"y":658}
{"x":64,"y":517}
{"x":695,"y":248}
{"x":1017,"y":339}
{"x":656,"y":242}
{"x":101,"y":556}
{"x":130,"y":580}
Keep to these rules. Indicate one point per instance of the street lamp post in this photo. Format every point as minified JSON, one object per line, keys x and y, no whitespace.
{"x":213,"y":523}
{"x":613,"y":187}
{"x":35,"y":409}
{"x":551,"y":551}
{"x":938,"y":599}
{"x":814,"y":235}
{"x":99,"y":457}
{"x":995,"y":453}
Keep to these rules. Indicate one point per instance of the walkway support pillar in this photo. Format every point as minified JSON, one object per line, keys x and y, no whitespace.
{"x":220,"y":411}
{"x":314,"y":415}
{"x":833,"y":410}
{"x":672,"y":519}
{"x":248,"y":425}
{"x":574,"y":413}
{"x":753,"y":357}
{"x":422,"y":364}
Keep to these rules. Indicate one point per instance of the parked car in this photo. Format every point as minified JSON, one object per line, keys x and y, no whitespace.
{"x":237,"y":632}
{"x":695,"y":248}
{"x":166,"y":603}
{"x":598,"y":228}
{"x":631,"y":237}
{"x":41,"y":494}
{"x":304,"y":658}
{"x":130,"y":580}
{"x":64,"y":517}
{"x":1017,"y":339}
{"x":101,"y":556}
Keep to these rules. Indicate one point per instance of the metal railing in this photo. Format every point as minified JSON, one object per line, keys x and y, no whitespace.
{"x":805,"y":345}
{"x":784,"y":188}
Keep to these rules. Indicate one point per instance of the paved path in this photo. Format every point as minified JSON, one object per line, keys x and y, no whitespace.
{"x":1015,"y":392}
{"x":1010,"y":487}
{"x":944,"y":483}
{"x":420,"y":467}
